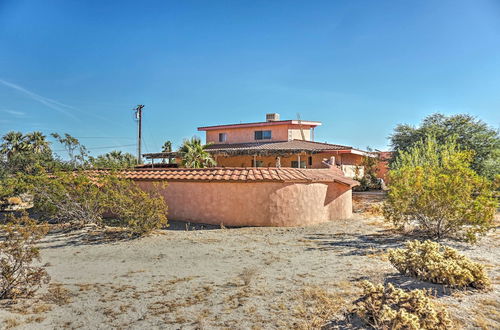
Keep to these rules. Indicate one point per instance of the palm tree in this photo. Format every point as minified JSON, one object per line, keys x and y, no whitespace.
{"x":36,"y":142}
{"x":194,"y":154}
{"x":13,"y":142}
{"x":167,"y":146}
{"x":114,"y":159}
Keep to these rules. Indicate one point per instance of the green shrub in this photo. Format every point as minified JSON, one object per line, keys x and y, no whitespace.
{"x":67,"y":197}
{"x":434,"y":190}
{"x":140,"y":211}
{"x":19,"y":278}
{"x":81,"y":198}
{"x":432,"y":262}
{"x":369,"y":179}
{"x":392,"y":308}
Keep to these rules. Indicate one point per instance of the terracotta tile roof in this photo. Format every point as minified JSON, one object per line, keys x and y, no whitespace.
{"x":292,"y":145}
{"x":234,"y":174}
{"x":264,"y":148}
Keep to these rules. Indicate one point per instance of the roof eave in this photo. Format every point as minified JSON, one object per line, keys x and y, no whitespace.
{"x":260,"y":124}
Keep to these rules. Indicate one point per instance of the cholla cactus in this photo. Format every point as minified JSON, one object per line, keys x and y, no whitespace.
{"x":432,"y":262}
{"x":392,"y":308}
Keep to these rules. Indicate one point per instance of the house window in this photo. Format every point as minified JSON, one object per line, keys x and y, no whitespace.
{"x":257,"y":163}
{"x":262,"y":135}
{"x":222,"y":137}
{"x":310,"y":160}
{"x":295,"y":164}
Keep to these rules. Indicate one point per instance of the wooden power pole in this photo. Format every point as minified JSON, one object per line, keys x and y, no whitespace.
{"x":138,"y":117}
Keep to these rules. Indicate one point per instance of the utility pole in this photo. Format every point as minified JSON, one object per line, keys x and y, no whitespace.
{"x":138,"y":118}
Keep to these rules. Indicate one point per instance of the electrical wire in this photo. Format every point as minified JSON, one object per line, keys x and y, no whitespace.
{"x":93,"y":148}
{"x":104,"y":137}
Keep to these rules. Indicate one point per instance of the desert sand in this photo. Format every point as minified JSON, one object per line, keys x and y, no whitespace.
{"x":199,"y":277}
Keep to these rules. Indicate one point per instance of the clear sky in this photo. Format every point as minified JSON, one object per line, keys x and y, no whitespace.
{"x":360,"y":67}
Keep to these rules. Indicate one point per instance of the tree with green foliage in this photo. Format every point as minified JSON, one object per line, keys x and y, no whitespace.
{"x":13,"y":142}
{"x":469,"y":132}
{"x":24,"y":153}
{"x":194,"y":155}
{"x":77,"y":153}
{"x":434,"y":190}
{"x":167,"y":147}
{"x":369,"y":179}
{"x":37,"y":142}
{"x":114,"y":160}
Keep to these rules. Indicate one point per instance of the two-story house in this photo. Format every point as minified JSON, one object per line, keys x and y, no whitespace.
{"x":277,"y":143}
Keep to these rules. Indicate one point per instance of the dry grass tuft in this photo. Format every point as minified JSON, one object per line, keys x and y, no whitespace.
{"x":37,"y":309}
{"x":37,"y":319}
{"x":487,"y":314}
{"x":247,"y":275}
{"x":11,"y":323}
{"x":316,"y":307}
{"x":57,"y":294}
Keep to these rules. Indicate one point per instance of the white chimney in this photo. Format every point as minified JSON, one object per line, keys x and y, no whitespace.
{"x":272,"y":117}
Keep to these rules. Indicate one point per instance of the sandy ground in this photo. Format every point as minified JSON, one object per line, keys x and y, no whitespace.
{"x":240,"y":278}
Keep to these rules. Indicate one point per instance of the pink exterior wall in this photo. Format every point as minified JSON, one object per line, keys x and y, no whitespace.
{"x":283,"y":132}
{"x":247,"y":134}
{"x":256,"y":204}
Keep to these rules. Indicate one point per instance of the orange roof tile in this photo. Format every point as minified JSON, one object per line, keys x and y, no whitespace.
{"x":234,"y":174}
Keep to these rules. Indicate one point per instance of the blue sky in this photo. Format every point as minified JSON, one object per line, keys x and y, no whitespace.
{"x":360,"y":67}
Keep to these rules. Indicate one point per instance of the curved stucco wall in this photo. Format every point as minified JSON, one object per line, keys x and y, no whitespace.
{"x":256,"y":204}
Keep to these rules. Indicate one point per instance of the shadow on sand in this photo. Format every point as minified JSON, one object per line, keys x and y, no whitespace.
{"x":90,"y":235}
{"x":85,"y":236}
{"x":356,"y":244}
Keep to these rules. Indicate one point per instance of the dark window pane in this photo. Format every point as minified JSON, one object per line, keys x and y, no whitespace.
{"x":258,"y":135}
{"x":257,"y":163}
{"x":295,"y":164}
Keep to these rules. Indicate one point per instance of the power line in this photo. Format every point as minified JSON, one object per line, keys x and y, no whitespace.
{"x":93,"y":148}
{"x":104,"y":137}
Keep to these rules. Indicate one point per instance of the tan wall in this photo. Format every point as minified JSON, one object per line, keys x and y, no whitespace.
{"x":295,"y":134}
{"x":256,"y":204}
{"x":351,"y":159}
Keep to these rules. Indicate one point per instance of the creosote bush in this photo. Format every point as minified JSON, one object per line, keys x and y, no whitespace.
{"x":434,"y":190}
{"x":392,"y":308}
{"x":138,"y":210}
{"x":81,"y":198}
{"x":432,"y":262}
{"x":18,"y":277}
{"x":67,"y":197}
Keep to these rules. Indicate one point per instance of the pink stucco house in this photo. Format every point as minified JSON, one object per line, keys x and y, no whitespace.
{"x":276,"y":143}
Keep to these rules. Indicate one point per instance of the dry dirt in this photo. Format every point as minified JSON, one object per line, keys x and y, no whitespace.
{"x":241,"y":278}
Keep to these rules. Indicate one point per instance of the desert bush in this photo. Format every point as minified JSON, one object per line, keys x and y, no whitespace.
{"x":67,"y":197}
{"x":433,"y":262}
{"x":434,"y":189}
{"x":369,"y":179}
{"x":18,"y":277}
{"x":81,"y":198}
{"x":392,"y":308}
{"x":140,"y":211}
